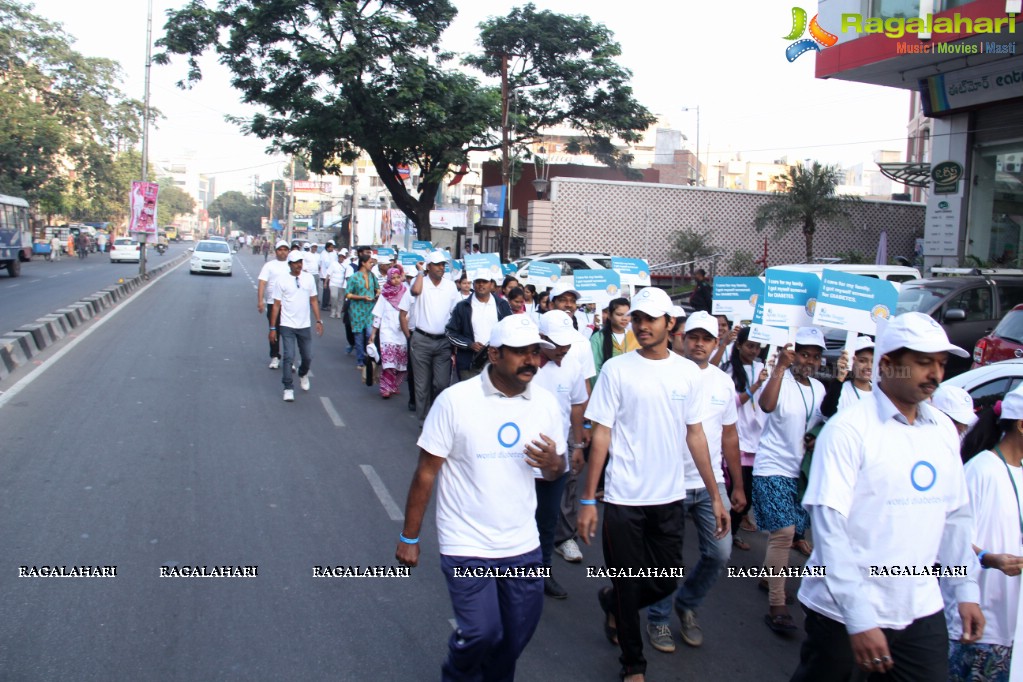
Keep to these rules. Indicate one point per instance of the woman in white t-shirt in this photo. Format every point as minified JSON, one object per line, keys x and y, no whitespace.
{"x":851,"y":384}
{"x":994,"y":477}
{"x":792,"y":399}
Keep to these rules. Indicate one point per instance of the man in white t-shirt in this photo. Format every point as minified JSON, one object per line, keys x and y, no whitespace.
{"x":889,"y":501}
{"x":311,"y":264}
{"x":327,"y":257}
{"x":481,"y":441}
{"x":720,"y":417}
{"x":645,"y":405}
{"x":293,"y":295}
{"x":337,"y":281}
{"x":264,"y":295}
{"x":435,"y":298}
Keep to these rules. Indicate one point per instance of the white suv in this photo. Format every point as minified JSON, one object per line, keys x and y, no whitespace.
{"x":570,"y":261}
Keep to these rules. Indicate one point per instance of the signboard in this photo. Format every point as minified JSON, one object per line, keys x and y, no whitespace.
{"x":447,"y":219}
{"x":736,"y":297}
{"x":493,"y":205}
{"x":853,"y":302}
{"x":946,"y":176}
{"x":595,"y":285}
{"x":761,"y":333}
{"x":483,"y":261}
{"x":410,"y":259}
{"x":312,"y":186}
{"x":632,"y":270}
{"x":508,"y":269}
{"x":385,"y":253}
{"x":544,"y":275}
{"x":989,"y":81}
{"x":941,"y":226}
{"x":790,"y":298}
{"x":142,"y":214}
{"x":422,"y":246}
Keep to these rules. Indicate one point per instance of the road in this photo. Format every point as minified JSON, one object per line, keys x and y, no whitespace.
{"x":158,"y":438}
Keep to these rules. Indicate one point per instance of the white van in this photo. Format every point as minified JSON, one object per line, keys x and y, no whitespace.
{"x":892,"y":273}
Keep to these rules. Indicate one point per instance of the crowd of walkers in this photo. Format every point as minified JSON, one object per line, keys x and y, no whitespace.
{"x":534,"y":411}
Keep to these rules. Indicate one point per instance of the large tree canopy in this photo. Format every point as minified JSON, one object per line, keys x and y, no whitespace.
{"x":236,"y":208}
{"x":336,"y":77}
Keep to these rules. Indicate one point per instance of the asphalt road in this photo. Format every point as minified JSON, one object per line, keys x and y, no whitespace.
{"x":45,"y":286}
{"x":159,"y":438}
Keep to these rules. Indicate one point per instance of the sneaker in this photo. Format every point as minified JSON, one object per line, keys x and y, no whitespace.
{"x":275,"y":363}
{"x":289,"y":395}
{"x":552,"y":589}
{"x":690,"y":629}
{"x":569,"y":551}
{"x":304,"y":382}
{"x":660,"y":637}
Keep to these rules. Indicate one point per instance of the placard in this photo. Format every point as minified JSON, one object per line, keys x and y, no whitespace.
{"x":854,"y":302}
{"x":736,"y":297}
{"x":632,"y":270}
{"x":422,"y":246}
{"x":594,"y":285}
{"x":407,"y":258}
{"x":544,"y":275}
{"x":483,"y":261}
{"x":508,"y":269}
{"x":385,"y":253}
{"x":790,"y":298}
{"x":763,"y":334}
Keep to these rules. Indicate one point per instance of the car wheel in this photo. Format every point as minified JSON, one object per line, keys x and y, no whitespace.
{"x":191,"y":272}
{"x":13,"y":267}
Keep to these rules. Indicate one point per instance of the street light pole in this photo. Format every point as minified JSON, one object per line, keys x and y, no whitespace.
{"x":145,"y":132}
{"x":697,"y":110}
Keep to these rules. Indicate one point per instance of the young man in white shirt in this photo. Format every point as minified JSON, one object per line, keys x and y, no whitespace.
{"x":337,"y":281}
{"x":888,"y":496}
{"x":264,"y":295}
{"x":471,"y":322}
{"x":564,"y":378}
{"x":720,"y":417}
{"x":482,"y":441}
{"x":644,"y":406}
{"x":435,"y":298}
{"x":293,"y":295}
{"x":327,"y":258}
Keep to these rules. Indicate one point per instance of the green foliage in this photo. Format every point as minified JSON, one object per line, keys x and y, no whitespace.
{"x":237,"y":209}
{"x":278,"y":191}
{"x":172,"y":202}
{"x":809,"y":199}
{"x":742,"y":264}
{"x":689,"y":245}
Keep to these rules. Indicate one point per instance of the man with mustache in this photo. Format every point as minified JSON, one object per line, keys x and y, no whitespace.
{"x":887,"y":488}
{"x":483,"y":440}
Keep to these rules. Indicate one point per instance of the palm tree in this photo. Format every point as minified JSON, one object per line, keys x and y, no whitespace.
{"x":808,"y":199}
{"x":688,"y":245}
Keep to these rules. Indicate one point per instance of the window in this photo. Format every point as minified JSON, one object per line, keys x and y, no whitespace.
{"x":988,"y":394}
{"x":1011,"y":327}
{"x":976,"y":301}
{"x":920,"y":299}
{"x":214,"y":247}
{"x":761,"y":185}
{"x":569,"y":265}
{"x":1009,"y":297}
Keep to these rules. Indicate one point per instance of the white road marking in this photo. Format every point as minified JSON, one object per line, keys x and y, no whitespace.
{"x":331,"y":412}
{"x":381,"y":490}
{"x":454,"y":623}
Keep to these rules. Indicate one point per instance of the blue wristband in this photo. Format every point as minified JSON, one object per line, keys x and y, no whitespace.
{"x":408,"y":541}
{"x":588,"y":503}
{"x":980,"y":559}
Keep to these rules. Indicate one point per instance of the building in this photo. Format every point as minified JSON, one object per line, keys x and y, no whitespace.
{"x":963,"y":60}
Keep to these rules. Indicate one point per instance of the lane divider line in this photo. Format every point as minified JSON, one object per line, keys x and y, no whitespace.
{"x":331,"y":412}
{"x":381,"y":490}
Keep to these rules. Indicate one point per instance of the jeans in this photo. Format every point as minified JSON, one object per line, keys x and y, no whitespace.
{"x":361,"y":339}
{"x":548,"y":508}
{"x":275,"y":345}
{"x":714,"y":555}
{"x":289,"y":337}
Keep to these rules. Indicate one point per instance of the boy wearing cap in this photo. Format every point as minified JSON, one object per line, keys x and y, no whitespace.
{"x":645,"y":404}
{"x":887,"y":489}
{"x":484,"y":464}
{"x":291,"y":307}
{"x":471,"y":322}
{"x":791,"y":399}
{"x":699,"y":345}
{"x":268,"y":275}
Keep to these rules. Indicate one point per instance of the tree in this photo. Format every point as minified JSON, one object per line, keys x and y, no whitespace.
{"x":235,"y":207}
{"x":343,"y":77}
{"x":742,"y":264}
{"x":172,"y":201}
{"x":808,"y":199}
{"x":688,"y":245}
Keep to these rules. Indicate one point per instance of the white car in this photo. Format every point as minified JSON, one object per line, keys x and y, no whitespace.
{"x":124,"y":250}
{"x":211,"y":256}
{"x":988,"y":384}
{"x":569,"y":262}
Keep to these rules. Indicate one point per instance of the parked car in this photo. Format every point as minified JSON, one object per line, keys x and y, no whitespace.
{"x":211,"y":256}
{"x":124,"y":250}
{"x":892,"y":273}
{"x":1005,"y":342}
{"x":988,"y":384}
{"x":968,"y":308}
{"x":569,"y":261}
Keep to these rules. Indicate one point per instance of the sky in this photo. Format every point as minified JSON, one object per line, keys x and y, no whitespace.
{"x":727,"y":58}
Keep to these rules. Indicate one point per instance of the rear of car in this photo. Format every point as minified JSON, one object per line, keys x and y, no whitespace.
{"x":1004,"y":343}
{"x":211,"y":256}
{"x":124,"y":250}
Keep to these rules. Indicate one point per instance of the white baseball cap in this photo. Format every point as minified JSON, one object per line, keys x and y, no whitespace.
{"x":330,"y":242}
{"x":957,"y":403}
{"x":343,"y":251}
{"x":862,"y":343}
{"x":561,"y":288}
{"x":436,"y":257}
{"x":515,"y":331}
{"x":295,"y":256}
{"x":557,"y":326}
{"x":652,"y":301}
{"x":1012,"y":403}
{"x":810,"y":336}
{"x":281,"y":244}
{"x":678,"y":311}
{"x":701,"y":319}
{"x":482,"y":273}
{"x":918,"y":332}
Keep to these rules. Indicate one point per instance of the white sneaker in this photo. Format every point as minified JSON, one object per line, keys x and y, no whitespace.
{"x":275,"y":363}
{"x":569,"y":551}
{"x":304,"y":382}
{"x":289,"y":395}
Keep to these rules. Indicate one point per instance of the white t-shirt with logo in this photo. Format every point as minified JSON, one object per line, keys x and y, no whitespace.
{"x":294,"y":297}
{"x":780,"y":450}
{"x":272,"y":269}
{"x":719,"y":396}
{"x":486,"y":497}
{"x":484,"y":318}
{"x":751,"y":418}
{"x":566,"y":383}
{"x":895,"y":484}
{"x":647,"y":404}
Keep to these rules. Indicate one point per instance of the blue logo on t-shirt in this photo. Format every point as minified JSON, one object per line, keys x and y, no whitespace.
{"x":921,"y":480}
{"x":506,"y":430}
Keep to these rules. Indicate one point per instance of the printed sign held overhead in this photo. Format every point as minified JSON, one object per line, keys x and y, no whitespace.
{"x":854,"y":302}
{"x":634,"y":271}
{"x":736,"y":297}
{"x":790,"y":298}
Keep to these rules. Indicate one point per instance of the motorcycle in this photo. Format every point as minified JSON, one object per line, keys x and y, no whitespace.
{"x":161,"y":249}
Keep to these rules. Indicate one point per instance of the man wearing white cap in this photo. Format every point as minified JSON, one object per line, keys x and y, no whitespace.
{"x":435,"y":298}
{"x":293,"y":295}
{"x":327,"y":258}
{"x":957,"y":404}
{"x":482,"y":441}
{"x":268,"y":275}
{"x":888,"y":497}
{"x":338,"y":273}
{"x":645,"y":404}
{"x":566,"y":382}
{"x":699,"y":344}
{"x":471,"y":322}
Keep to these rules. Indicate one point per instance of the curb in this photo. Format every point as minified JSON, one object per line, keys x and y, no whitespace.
{"x":18,"y":347}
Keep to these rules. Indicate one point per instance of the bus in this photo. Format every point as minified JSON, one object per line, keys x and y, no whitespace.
{"x":15,"y":234}
{"x":172,"y":233}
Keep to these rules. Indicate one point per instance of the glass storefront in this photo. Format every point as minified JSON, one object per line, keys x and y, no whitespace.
{"x":995,"y":236}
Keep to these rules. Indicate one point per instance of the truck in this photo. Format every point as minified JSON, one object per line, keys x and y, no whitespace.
{"x":15,"y":234}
